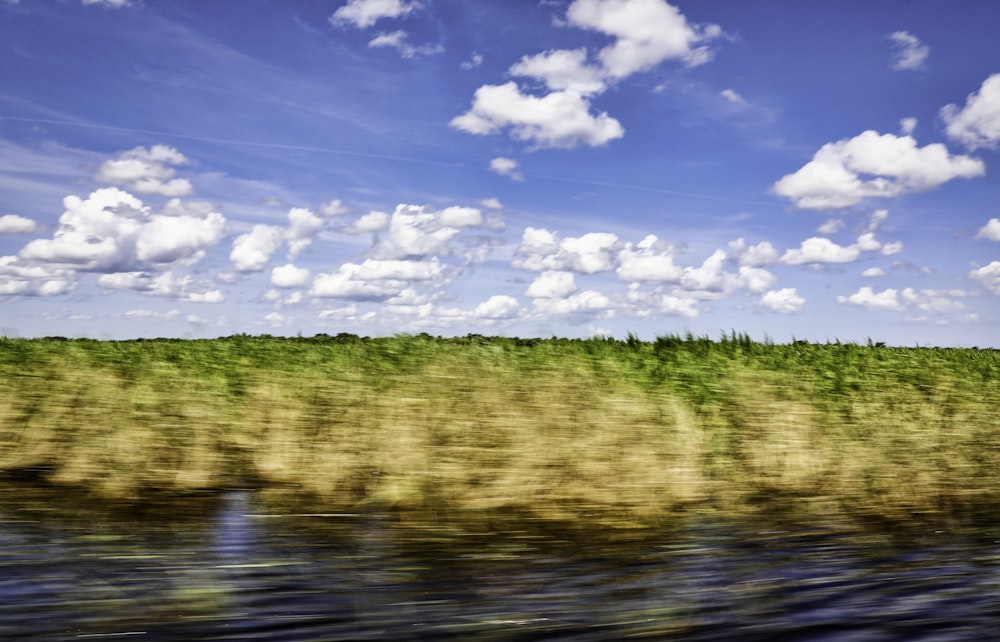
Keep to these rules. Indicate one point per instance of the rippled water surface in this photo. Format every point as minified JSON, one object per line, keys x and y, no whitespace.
{"x":229,"y":570}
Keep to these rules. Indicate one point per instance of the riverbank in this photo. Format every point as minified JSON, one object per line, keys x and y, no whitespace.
{"x":616,"y":433}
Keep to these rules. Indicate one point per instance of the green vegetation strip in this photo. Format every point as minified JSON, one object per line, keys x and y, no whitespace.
{"x":597,"y":431}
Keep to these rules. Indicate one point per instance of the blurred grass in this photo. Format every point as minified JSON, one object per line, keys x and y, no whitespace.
{"x":589,"y":432}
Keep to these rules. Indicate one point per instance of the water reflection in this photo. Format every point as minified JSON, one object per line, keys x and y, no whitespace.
{"x":228,"y":569}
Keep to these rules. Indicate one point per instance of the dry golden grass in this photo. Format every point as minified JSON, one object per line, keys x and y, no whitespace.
{"x":574,"y":434}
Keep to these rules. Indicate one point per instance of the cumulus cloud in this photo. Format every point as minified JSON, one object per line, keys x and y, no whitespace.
{"x":908,"y":52}
{"x":989,"y":232}
{"x":844,"y":173}
{"x":365,"y":13}
{"x":558,"y":119}
{"x":499,"y":306}
{"x":977,"y":125}
{"x":108,"y":3}
{"x":398,"y":40}
{"x":542,"y":250}
{"x":374,"y":280}
{"x":20,"y":278}
{"x":552,"y":285}
{"x":562,"y":69}
{"x":369,"y":223}
{"x":147,"y":171}
{"x":988,"y":276}
{"x":586,"y":302}
{"x":113,"y":230}
{"x":252,"y":251}
{"x":289,"y":276}
{"x":759,"y":255}
{"x":14,"y":224}
{"x":163,"y":284}
{"x":866,"y":297}
{"x":783,"y":301}
{"x":646,"y":33}
{"x":873,"y":272}
{"x":416,"y":232}
{"x":333,"y":207}
{"x":820,"y":250}
{"x":649,"y":260}
{"x":506,"y":167}
{"x":907,"y":126}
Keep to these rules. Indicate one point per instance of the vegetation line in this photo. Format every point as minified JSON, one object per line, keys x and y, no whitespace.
{"x":601,"y":431}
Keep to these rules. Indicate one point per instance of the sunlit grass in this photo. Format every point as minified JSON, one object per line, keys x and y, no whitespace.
{"x":596,"y":432}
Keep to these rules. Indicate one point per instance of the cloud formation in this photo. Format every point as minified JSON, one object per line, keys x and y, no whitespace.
{"x":846,"y":172}
{"x":365,"y":13}
{"x":646,"y":33}
{"x":977,"y":125}
{"x":909,"y":53}
{"x":147,"y":171}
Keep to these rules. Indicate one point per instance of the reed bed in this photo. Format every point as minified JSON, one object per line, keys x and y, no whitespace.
{"x":595,"y":432}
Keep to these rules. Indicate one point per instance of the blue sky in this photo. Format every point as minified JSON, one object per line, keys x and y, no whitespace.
{"x":787,"y":169}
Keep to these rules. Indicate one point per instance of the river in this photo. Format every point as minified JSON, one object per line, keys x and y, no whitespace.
{"x":225,"y":568}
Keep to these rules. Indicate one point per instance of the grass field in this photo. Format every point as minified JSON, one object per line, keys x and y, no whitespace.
{"x":598,"y":431}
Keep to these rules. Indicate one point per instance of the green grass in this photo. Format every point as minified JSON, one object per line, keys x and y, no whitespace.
{"x":598,"y":431}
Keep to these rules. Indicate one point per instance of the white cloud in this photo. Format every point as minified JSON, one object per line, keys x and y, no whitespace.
{"x":542,"y":250}
{"x":113,"y":230}
{"x":371,"y":222}
{"x":147,"y":171}
{"x":170,"y":239}
{"x":398,"y":40}
{"x":907,"y":126}
{"x":894,"y":247}
{"x":844,"y":173}
{"x":588,"y":301}
{"x":252,"y":251}
{"x":831,"y":226}
{"x":783,"y":301}
{"x":649,"y":260}
{"x":374,"y":279}
{"x":758,"y":255}
{"x":989,"y":276}
{"x":820,"y":250}
{"x":365,"y":13}
{"x":499,"y":306}
{"x":873,"y":272}
{"x":708,"y":277}
{"x":552,"y":285}
{"x":990,"y":231}
{"x":506,"y":167}
{"x":303,"y":225}
{"x":333,"y":207}
{"x":473,"y":62}
{"x":165,"y":284}
{"x":289,"y":276}
{"x":418,"y":232}
{"x":908,"y":52}
{"x":733,"y":97}
{"x":865,"y":297}
{"x":978,"y":123}
{"x":491,"y":203}
{"x":647,"y":32}
{"x":560,"y":119}
{"x":18,"y":277}
{"x":562,"y":69}
{"x":108,"y":3}
{"x":755,"y":279}
{"x":14,"y":224}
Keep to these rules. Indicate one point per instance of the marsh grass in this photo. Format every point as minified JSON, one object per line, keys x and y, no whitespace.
{"x":596,"y":432}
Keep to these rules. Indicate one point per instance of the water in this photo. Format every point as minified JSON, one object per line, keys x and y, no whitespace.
{"x":226,"y":569}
